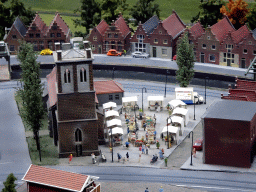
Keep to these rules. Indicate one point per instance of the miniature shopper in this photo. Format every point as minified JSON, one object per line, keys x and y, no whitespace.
{"x":146,"y":190}
{"x":161,"y":189}
{"x":93,"y":158}
{"x":127,"y":156}
{"x":194,"y":152}
{"x":119,"y":157}
{"x":143,"y":149}
{"x":70,"y":158}
{"x":165,"y":160}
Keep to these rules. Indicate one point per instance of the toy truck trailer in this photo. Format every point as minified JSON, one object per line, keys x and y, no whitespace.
{"x":187,"y":95}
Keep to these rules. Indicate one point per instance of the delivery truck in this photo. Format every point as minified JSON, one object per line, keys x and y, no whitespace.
{"x":188,"y":96}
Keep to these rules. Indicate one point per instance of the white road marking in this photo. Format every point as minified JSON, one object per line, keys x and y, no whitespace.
{"x":5,"y":162}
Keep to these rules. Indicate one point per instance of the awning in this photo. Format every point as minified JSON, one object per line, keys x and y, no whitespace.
{"x":171,"y":129}
{"x":129,"y":99}
{"x":176,"y":102}
{"x":176,"y":119}
{"x":109,"y":105}
{"x":155,"y":98}
{"x":111,"y":113}
{"x":179,"y":110}
{"x":114,"y":122}
{"x":116,"y":130}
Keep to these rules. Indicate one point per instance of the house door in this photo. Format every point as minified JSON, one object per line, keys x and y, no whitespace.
{"x":228,"y":62}
{"x":78,"y":150}
{"x":99,"y":49}
{"x":202,"y":57}
{"x":243,"y":62}
{"x":154,"y":51}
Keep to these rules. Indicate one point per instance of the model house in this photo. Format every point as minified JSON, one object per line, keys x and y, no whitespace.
{"x":229,"y":133}
{"x":115,"y":36}
{"x":40,"y":178}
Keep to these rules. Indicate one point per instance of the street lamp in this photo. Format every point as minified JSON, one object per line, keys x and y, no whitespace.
{"x":142,"y":96}
{"x":191,"y":149}
{"x":205,"y":89}
{"x":112,"y":146}
{"x":194,"y":109}
{"x":134,"y":107}
{"x":113,"y":75}
{"x":168,"y":145}
{"x":167,"y":72}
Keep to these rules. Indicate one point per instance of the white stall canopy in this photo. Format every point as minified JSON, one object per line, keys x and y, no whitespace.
{"x":109,"y":105}
{"x":183,"y":113}
{"x":155,"y":98}
{"x":171,"y":129}
{"x":177,"y":103}
{"x":114,"y":123}
{"x":176,"y":119}
{"x":116,"y":130}
{"x":111,"y":113}
{"x":129,"y":99}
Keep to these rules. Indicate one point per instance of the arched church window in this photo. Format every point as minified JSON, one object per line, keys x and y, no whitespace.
{"x":82,"y":75}
{"x":78,"y":135}
{"x":67,"y":76}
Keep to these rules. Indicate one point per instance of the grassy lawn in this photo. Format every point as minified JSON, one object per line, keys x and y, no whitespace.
{"x":49,"y":152}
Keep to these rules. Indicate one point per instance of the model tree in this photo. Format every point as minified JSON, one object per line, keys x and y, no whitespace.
{"x":144,"y":10}
{"x":251,"y":18}
{"x":236,"y":11}
{"x":185,"y":61}
{"x":31,"y":93}
{"x":9,"y":185}
{"x":209,"y":12}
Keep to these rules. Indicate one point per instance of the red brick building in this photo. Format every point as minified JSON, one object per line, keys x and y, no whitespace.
{"x":42,"y":179}
{"x":105,"y":37}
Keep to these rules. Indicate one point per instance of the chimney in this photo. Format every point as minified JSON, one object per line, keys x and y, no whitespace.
{"x":59,"y":55}
{"x":87,"y":49}
{"x":57,"y":46}
{"x":86,"y":44}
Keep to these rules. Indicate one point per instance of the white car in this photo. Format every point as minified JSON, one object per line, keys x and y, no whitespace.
{"x":140,"y":54}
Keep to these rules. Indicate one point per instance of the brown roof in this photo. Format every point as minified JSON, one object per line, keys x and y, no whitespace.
{"x":197,"y":30}
{"x":102,"y":27}
{"x":60,"y":22}
{"x":174,"y":25}
{"x":51,"y":87}
{"x":103,"y":87}
{"x":121,"y":24}
{"x":39,"y":23}
{"x":55,"y":178}
{"x":240,"y":34}
{"x":222,"y":28}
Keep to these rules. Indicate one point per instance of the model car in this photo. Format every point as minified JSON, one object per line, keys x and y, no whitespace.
{"x":140,"y":55}
{"x":198,"y":144}
{"x":113,"y":52}
{"x":46,"y":52}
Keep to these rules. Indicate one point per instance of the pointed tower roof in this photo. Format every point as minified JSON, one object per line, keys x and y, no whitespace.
{"x":197,"y":30}
{"x":60,"y":22}
{"x":174,"y":25}
{"x":37,"y":21}
{"x":240,"y":34}
{"x":121,"y":24}
{"x":102,"y":27}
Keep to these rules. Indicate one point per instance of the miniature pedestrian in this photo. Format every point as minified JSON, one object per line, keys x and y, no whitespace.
{"x":145,"y":126}
{"x":146,"y":190}
{"x":154,"y":135}
{"x":161,"y":189}
{"x":146,"y":136}
{"x":124,"y":52}
{"x":93,"y":158}
{"x":163,"y":150}
{"x":127,"y":156}
{"x":70,"y":158}
{"x":119,"y":157}
{"x":146,"y":150}
{"x":165,"y":160}
{"x":139,"y":157}
{"x":143,"y":149}
{"x":194,"y":152}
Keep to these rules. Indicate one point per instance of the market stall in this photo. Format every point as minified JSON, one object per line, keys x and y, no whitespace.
{"x":182,"y":113}
{"x":173,"y":133}
{"x":155,"y":102}
{"x":114,"y":123}
{"x":109,"y":106}
{"x":151,"y":135}
{"x":177,"y":121}
{"x":117,"y":133}
{"x":129,"y":103}
{"x":177,"y":103}
{"x":111,"y":114}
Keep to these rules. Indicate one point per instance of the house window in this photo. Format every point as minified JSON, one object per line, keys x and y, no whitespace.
{"x":52,"y":35}
{"x":54,"y":27}
{"x":212,"y":58}
{"x":204,"y":46}
{"x":107,"y":45}
{"x":249,"y":42}
{"x":109,"y":35}
{"x":190,"y":42}
{"x":82,"y":75}
{"x":229,"y":56}
{"x":208,"y":37}
{"x":229,"y":47}
{"x":11,"y":47}
{"x":31,"y":35}
{"x":67,"y":76}
{"x":78,"y":135}
{"x":165,"y":41}
{"x":33,"y":28}
{"x":141,"y":47}
{"x":140,"y":37}
{"x":95,"y":38}
{"x":116,"y":35}
{"x":37,"y":35}
{"x":164,"y":52}
{"x":117,"y":97}
{"x":93,"y":47}
{"x":35,"y":46}
{"x":160,"y":32}
{"x":14,"y":37}
{"x":41,"y":43}
{"x":156,"y":41}
{"x":245,"y":51}
{"x":110,"y":97}
{"x":213,"y":47}
{"x":254,"y":52}
{"x":58,"y":34}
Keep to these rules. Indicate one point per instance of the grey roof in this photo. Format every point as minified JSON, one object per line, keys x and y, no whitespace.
{"x":151,"y":24}
{"x":231,"y":109}
{"x":20,"y":26}
{"x":254,"y":33}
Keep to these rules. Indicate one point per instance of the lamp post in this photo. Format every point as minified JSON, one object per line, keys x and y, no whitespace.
{"x":168,"y":145}
{"x":205,"y":89}
{"x":194,"y":109}
{"x":142,"y":96}
{"x":191,"y":149}
{"x":135,"y":116}
{"x":113,"y":73}
{"x":112,"y":145}
{"x":167,"y":72}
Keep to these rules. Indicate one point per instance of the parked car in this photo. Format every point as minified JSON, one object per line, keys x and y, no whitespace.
{"x":198,"y":144}
{"x":140,"y":55}
{"x":46,"y":52}
{"x":113,"y":52}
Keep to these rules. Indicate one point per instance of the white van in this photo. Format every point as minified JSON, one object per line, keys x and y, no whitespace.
{"x":187,"y":95}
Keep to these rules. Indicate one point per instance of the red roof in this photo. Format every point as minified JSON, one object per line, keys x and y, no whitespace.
{"x":121,"y":24}
{"x":251,"y":94}
{"x":197,"y":30}
{"x":39,"y":23}
{"x":103,"y":87}
{"x":51,"y":87}
{"x":56,"y":178}
{"x":174,"y":25}
{"x":244,"y":84}
{"x":234,"y":97}
{"x":222,"y":28}
{"x":102,"y":27}
{"x":60,"y":22}
{"x":240,"y":34}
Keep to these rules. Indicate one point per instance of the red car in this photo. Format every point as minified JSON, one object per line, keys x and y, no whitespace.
{"x":198,"y":144}
{"x":113,"y":52}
